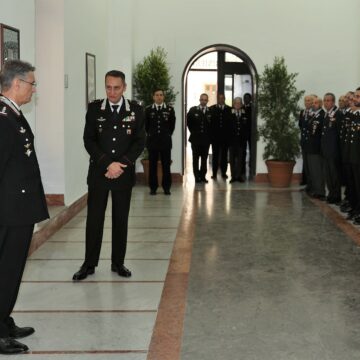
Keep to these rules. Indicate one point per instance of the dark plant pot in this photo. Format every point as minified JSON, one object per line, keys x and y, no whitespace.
{"x":280,"y":172}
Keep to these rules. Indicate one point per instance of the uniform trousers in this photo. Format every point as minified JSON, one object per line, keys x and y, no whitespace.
{"x":236,"y":160}
{"x":306,"y":170}
{"x":332,"y":177}
{"x":315,"y":164}
{"x":200,"y":151}
{"x":14,"y":247}
{"x":97,"y":202}
{"x":219,"y":156}
{"x":165,"y":156}
{"x":355,"y":169}
{"x":243,"y":165}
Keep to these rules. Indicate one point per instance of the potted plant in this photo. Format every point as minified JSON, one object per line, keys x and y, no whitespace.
{"x":278,"y":100}
{"x":152,"y":73}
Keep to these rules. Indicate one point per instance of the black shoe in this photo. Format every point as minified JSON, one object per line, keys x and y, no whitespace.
{"x":351,"y":215}
{"x":241,"y":179}
{"x":232,"y":181}
{"x":198,"y":180}
{"x":204,"y":180}
{"x":356,"y":220}
{"x":345,"y":208}
{"x":17,"y":332}
{"x":153,"y":192}
{"x":214,"y":177}
{"x":303,"y":183}
{"x":84,"y":272}
{"x":167,"y":192}
{"x":224,"y":176}
{"x":11,"y":346}
{"x":121,"y":270}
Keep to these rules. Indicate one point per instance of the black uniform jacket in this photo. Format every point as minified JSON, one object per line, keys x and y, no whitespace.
{"x":220,"y":123}
{"x":312,"y":141}
{"x":22,"y":199}
{"x":303,"y":119}
{"x":159,"y":126}
{"x":237,"y":132}
{"x":345,"y":134}
{"x":199,"y":124}
{"x":109,"y":138}
{"x":330,"y":136}
{"x":354,"y":138}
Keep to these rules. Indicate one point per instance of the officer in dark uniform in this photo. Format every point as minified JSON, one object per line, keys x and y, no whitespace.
{"x":312,"y":148}
{"x":247,"y":131}
{"x":220,"y":125}
{"x":198,"y":123}
{"x":114,"y":137}
{"x":159,"y":126}
{"x":303,"y":118}
{"x":354,"y":152}
{"x":22,"y":196}
{"x":350,"y":201}
{"x":330,"y":149}
{"x":237,"y":139}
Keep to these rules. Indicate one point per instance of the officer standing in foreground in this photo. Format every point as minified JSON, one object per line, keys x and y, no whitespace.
{"x":159,"y":126}
{"x":247,"y":119}
{"x":199,"y":122}
{"x":114,"y":137}
{"x":22,"y":196}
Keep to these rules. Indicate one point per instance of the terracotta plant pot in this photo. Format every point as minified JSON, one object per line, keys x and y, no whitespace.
{"x":280,"y":172}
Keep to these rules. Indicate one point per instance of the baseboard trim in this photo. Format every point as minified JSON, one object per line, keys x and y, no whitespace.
{"x":263,"y":178}
{"x":55,"y":199}
{"x":176,"y":178}
{"x":55,"y":223}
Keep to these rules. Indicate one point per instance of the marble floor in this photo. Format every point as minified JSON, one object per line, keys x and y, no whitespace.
{"x":220,"y":271}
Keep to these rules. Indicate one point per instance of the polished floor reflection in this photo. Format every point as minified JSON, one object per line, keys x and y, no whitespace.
{"x":220,"y":271}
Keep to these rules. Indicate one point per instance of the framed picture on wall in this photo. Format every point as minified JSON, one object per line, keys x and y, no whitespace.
{"x":90,"y":78}
{"x":9,"y":43}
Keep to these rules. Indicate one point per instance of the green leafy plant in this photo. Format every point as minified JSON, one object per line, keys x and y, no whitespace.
{"x":278,"y":104}
{"x":153,"y":73}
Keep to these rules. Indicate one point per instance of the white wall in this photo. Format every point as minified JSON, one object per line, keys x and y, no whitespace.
{"x":50,"y":93}
{"x":317,"y":39}
{"x":21,"y":15}
{"x":86,"y":30}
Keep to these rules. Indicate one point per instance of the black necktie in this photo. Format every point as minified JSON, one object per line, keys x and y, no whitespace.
{"x":159,"y":107}
{"x":114,"y":107}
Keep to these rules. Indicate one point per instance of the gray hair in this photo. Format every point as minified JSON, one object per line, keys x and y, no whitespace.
{"x":13,"y":69}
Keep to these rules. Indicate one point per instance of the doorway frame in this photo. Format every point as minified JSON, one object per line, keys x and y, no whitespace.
{"x":254,"y":77}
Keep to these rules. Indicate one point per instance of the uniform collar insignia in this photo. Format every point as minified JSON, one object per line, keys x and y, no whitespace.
{"x":9,"y":104}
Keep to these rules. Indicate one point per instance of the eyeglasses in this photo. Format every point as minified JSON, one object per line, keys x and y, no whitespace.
{"x":28,"y":82}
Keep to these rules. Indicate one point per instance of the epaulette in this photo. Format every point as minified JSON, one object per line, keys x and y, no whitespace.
{"x":96,"y":101}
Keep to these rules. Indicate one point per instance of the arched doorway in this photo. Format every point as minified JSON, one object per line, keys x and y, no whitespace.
{"x":232,"y":65}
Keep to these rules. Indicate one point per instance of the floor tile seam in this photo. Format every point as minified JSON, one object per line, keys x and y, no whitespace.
{"x":109,"y":241}
{"x":131,"y":227}
{"x":94,"y":282}
{"x":83,"y":311}
{"x":106,"y":259}
{"x":92,"y":351}
{"x":167,"y":334}
{"x":349,"y":229}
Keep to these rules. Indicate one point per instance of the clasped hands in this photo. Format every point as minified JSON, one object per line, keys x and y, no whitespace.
{"x":114,"y":170}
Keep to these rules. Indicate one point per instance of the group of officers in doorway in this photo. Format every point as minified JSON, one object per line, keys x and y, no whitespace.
{"x":330,"y":143}
{"x":228,"y":131}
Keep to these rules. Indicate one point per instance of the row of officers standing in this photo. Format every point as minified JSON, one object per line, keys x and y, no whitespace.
{"x":330,"y":143}
{"x":228,"y":131}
